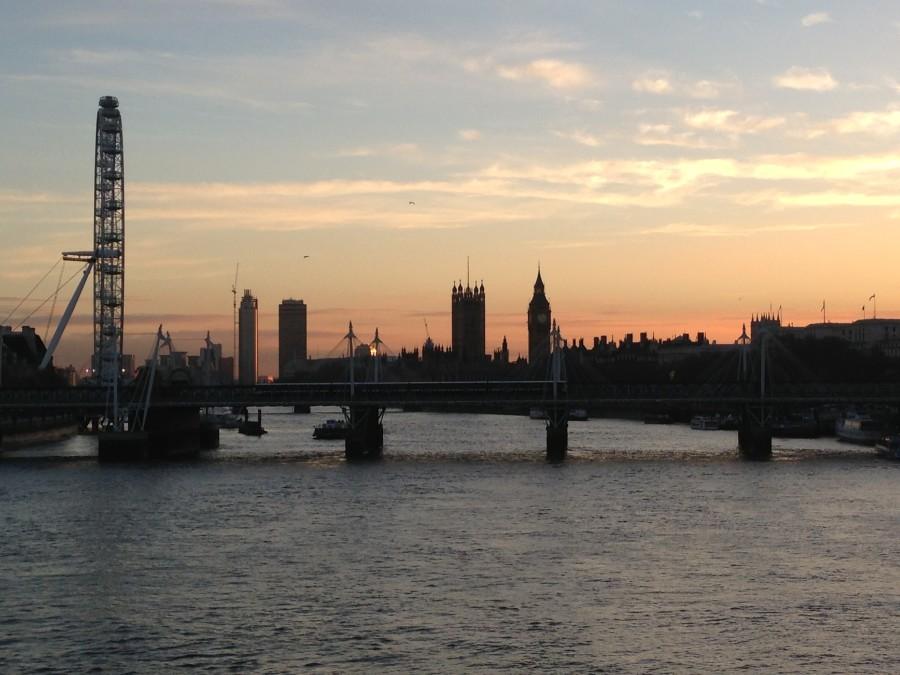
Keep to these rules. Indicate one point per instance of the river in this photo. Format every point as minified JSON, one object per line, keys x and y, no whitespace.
{"x":652,"y":549}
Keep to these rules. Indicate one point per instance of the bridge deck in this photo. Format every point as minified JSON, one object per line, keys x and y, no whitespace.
{"x":471,"y":393}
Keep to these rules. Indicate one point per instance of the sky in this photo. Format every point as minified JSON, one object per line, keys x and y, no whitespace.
{"x":673,"y":166}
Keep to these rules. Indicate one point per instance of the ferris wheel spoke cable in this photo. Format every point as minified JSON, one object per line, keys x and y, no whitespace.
{"x":33,"y":289}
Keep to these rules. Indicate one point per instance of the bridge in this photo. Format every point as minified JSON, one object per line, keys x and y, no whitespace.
{"x":364,"y":403}
{"x":497,"y":393}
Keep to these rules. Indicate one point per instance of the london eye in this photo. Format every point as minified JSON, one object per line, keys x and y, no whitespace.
{"x":109,"y":242}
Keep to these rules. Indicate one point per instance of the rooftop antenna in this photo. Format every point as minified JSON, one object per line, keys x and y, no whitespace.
{"x":427,"y":334}
{"x":467,"y":271}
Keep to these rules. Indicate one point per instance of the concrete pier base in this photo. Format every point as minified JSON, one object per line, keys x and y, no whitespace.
{"x":557,"y":440}
{"x":755,"y":441}
{"x":365,"y":438}
{"x":171,"y":433}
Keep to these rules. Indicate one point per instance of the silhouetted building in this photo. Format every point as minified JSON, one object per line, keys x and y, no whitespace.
{"x":538,"y":324}
{"x":21,"y":352}
{"x":882,"y":334}
{"x":468,"y":323}
{"x":248,"y":339}
{"x":291,"y":337}
{"x":502,"y":355}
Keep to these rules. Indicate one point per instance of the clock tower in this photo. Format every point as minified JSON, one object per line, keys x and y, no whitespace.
{"x":538,"y":324}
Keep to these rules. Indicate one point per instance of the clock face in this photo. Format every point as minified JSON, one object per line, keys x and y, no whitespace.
{"x":541,"y":318}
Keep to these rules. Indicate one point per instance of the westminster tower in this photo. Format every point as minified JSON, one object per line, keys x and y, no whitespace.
{"x":538,"y":324}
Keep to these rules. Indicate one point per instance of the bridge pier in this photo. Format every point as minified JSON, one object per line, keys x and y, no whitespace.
{"x":755,"y":440}
{"x":557,"y":434}
{"x":365,"y":437}
{"x":170,"y":433}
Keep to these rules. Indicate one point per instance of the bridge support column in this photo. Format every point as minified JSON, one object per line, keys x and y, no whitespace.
{"x":365,"y":437}
{"x":557,"y":434}
{"x":170,"y":433}
{"x":755,"y":440}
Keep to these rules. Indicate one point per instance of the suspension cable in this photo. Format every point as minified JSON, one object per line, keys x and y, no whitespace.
{"x":48,"y":298}
{"x":55,"y":295}
{"x":33,"y":288}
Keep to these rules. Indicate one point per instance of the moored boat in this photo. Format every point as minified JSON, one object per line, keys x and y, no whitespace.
{"x":330,"y":430}
{"x":705,"y":422}
{"x":859,"y":428}
{"x":796,"y":425}
{"x":888,"y":446}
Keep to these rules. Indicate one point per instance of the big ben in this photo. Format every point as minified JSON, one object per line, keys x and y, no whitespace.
{"x":538,"y":324}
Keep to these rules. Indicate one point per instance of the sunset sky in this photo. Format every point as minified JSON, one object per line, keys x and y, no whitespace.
{"x":674,"y":166}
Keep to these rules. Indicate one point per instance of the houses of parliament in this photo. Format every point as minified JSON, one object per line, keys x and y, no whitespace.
{"x":468,"y":324}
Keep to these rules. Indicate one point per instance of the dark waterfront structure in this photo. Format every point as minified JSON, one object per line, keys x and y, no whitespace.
{"x":468,"y":323}
{"x":248,"y":335}
{"x":538,"y":324}
{"x":291,"y":336}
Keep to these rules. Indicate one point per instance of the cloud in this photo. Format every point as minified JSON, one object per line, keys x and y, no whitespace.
{"x":704,"y":89}
{"x":661,"y":83}
{"x":580,"y":137}
{"x":729,"y":230}
{"x":877,"y":123}
{"x":880,"y":123}
{"x":397,"y":150}
{"x":730,"y":121}
{"x":815,"y":19}
{"x":663,"y":134}
{"x":652,"y":84}
{"x":553,"y":72}
{"x":806,"y":79}
{"x":469,"y":134}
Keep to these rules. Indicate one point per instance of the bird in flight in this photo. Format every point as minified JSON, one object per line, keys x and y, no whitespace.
{"x":306,"y":256}
{"x":412,"y":203}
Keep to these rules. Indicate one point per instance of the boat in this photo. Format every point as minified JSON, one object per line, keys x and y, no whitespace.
{"x":729,"y":422}
{"x":331,"y":430}
{"x":705,"y":422}
{"x":250,"y":427}
{"x":224,"y":420}
{"x":859,"y":428}
{"x":537,"y":414}
{"x":888,"y":446}
{"x":796,"y":425}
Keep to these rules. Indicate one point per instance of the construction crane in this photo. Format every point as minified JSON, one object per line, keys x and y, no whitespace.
{"x":234,"y":360}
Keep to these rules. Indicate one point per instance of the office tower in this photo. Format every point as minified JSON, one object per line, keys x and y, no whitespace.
{"x":248,"y":339}
{"x":291,"y":337}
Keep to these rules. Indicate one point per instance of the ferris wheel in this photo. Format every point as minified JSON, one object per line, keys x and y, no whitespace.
{"x":109,"y":243}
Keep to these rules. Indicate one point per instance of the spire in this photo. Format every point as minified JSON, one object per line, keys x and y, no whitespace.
{"x":539,"y":283}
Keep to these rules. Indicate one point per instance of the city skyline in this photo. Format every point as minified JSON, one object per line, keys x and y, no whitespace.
{"x":662,"y":189}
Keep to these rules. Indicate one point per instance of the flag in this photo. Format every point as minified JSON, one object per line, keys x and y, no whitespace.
{"x":872,"y":297}
{"x":823,"y":306}
{"x":864,"y":308}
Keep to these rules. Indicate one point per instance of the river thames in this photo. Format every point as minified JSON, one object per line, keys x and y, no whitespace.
{"x":653,"y":549}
